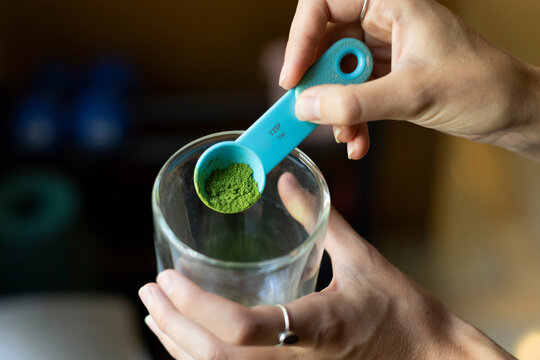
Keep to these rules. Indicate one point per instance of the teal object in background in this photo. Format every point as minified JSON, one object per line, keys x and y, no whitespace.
{"x":36,"y":207}
{"x":41,"y":247}
{"x":277,"y":132}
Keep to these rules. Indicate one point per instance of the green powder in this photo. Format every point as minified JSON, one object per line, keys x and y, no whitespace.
{"x":237,"y":246}
{"x":232,"y":189}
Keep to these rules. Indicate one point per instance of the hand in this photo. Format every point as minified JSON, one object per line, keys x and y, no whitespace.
{"x":370,"y":310}
{"x":430,"y":68}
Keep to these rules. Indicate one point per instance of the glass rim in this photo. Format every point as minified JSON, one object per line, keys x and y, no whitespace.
{"x":279,"y":261}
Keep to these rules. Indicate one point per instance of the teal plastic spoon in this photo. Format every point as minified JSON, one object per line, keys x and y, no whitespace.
{"x":277,"y":132}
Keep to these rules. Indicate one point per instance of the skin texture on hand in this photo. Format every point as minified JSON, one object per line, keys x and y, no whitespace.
{"x":430,"y":68}
{"x":370,"y":310}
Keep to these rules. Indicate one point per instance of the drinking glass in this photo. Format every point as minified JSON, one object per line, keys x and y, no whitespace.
{"x":268,"y":254}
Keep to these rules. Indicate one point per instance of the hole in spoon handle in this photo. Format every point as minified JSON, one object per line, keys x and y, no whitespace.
{"x":327,"y":69}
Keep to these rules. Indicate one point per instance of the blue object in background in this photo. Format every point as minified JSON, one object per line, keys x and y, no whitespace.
{"x":99,"y":120}
{"x":38,"y":124}
{"x":101,"y":111}
{"x":95,"y":119}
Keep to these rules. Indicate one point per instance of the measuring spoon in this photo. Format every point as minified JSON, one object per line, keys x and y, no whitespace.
{"x":277,"y":132}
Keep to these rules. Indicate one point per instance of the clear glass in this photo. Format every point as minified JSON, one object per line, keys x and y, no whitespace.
{"x":267,"y":254}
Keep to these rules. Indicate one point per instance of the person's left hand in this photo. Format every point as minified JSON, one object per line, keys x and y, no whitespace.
{"x":370,"y":310}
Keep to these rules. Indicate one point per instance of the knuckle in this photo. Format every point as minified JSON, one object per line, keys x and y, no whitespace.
{"x":342,"y":106}
{"x":246,"y":328}
{"x":182,"y":300}
{"x":213,"y":352}
{"x":162,"y":322}
{"x":168,"y":273}
{"x":333,"y":331}
{"x":174,"y":351}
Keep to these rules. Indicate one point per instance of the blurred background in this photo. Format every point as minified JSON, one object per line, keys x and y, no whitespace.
{"x":96,"y":95}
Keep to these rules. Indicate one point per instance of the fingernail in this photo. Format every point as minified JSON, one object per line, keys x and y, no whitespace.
{"x":145,"y":293}
{"x":338,"y":132}
{"x":308,"y":108}
{"x":282,"y":75}
{"x":149,"y":321}
{"x":350,"y":151}
{"x":165,"y":282}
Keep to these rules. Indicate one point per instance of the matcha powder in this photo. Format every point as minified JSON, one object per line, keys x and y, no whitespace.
{"x":232,"y":189}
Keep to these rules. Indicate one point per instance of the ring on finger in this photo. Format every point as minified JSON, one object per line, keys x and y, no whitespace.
{"x":287,"y":336}
{"x":363,"y":12}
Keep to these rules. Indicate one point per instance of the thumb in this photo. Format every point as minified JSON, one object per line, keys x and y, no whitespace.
{"x":400,"y":95}
{"x":344,"y":245}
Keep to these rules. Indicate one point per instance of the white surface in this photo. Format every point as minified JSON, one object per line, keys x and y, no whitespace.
{"x":82,"y":327}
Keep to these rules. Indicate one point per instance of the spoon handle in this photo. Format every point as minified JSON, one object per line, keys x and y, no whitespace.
{"x":277,"y":132}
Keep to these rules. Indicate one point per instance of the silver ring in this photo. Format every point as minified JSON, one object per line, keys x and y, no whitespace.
{"x":287,"y":336}
{"x":364,"y":8}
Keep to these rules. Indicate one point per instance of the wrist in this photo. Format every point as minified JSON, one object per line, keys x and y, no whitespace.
{"x":523,"y":111}
{"x":467,"y":342}
{"x":447,"y":337}
{"x":530,"y":106}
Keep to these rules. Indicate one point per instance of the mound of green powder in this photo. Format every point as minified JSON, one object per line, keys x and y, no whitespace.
{"x":232,"y":189}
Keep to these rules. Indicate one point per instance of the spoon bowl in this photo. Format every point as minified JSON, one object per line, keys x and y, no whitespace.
{"x":221,"y":155}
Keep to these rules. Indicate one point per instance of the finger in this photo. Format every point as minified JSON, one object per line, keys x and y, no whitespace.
{"x":380,"y":49}
{"x":307,"y":28}
{"x":173,"y":349}
{"x":259,"y":325}
{"x":344,"y":134}
{"x":232,"y":322}
{"x":334,"y":32}
{"x":399,"y":95}
{"x":299,"y":203}
{"x":305,"y":208}
{"x":183,"y":337}
{"x":356,"y":137}
{"x":358,"y":146}
{"x":344,"y":245}
{"x":187,"y":334}
{"x":382,"y":56}
{"x":270,"y":353}
{"x":244,"y":352}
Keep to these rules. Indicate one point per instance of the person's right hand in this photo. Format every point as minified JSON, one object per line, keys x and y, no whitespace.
{"x":430,"y":68}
